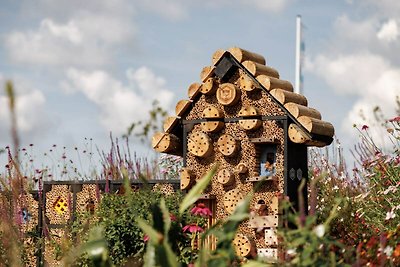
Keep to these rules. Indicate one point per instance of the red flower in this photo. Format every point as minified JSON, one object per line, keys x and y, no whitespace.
{"x":173,"y":217}
{"x":146,"y":238}
{"x":192,"y":228}
{"x":397,"y":119}
{"x":364,"y":127}
{"x":201,"y":210}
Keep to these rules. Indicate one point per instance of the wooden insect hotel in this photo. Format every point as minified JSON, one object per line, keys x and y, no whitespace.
{"x":243,"y":116}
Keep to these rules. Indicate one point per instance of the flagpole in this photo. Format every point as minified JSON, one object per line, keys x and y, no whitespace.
{"x":297,"y":88}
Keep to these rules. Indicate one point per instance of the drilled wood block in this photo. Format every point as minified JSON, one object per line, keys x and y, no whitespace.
{"x":267,"y":253}
{"x":243,"y":245}
{"x":252,"y":123}
{"x":227,"y":145}
{"x":199,"y":144}
{"x":225,"y":177}
{"x":231,"y":199}
{"x":209,"y":87}
{"x":182,"y":106}
{"x":264,"y":221}
{"x":228,"y":94}
{"x":186,"y":178}
{"x":271,"y":237}
{"x":212,"y":112}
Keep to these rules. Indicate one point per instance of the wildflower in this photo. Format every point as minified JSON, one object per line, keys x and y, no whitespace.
{"x":192,"y":228}
{"x":364,"y":127}
{"x":173,"y":217}
{"x":146,"y":238}
{"x":395,"y":119}
{"x":201,"y":210}
{"x":390,"y":215}
{"x":388,"y":251}
{"x":319,"y":230}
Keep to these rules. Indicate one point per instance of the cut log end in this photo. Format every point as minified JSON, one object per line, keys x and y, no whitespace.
{"x":182,"y":106}
{"x":206,"y":73}
{"x":166,"y":143}
{"x":170,"y":123}
{"x":194,"y":90}
{"x":228,"y":94}
{"x":217,"y":55}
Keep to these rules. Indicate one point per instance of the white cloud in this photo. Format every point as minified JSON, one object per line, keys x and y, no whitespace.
{"x":389,"y":31}
{"x":120,"y":104}
{"x":85,"y":39}
{"x":267,"y":5}
{"x":29,"y":109}
{"x":370,"y":77}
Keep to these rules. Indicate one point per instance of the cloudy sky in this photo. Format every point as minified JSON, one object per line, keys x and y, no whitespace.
{"x":88,"y":68}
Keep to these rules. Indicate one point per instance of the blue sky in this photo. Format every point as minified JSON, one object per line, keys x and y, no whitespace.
{"x":85,"y":68}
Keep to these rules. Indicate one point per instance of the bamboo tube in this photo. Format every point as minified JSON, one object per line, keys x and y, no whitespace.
{"x":298,"y":110}
{"x":228,"y":94}
{"x":165,"y":142}
{"x":285,"y":97}
{"x":209,"y":87}
{"x":170,"y":123}
{"x":257,"y":69}
{"x":317,"y":126}
{"x":206,"y":73}
{"x":193,"y":90}
{"x":270,"y":83}
{"x":242,"y":55}
{"x":182,"y":106}
{"x":217,"y":55}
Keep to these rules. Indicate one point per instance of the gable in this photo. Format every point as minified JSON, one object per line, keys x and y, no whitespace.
{"x":237,"y":82}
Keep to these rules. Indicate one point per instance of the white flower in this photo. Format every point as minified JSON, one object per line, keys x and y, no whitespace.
{"x":388,"y":251}
{"x":390,"y":215}
{"x":319,"y":230}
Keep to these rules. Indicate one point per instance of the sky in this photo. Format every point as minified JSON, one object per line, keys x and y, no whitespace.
{"x":83,"y":69}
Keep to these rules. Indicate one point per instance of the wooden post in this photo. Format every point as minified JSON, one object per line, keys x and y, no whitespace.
{"x":209,"y":87}
{"x":165,"y":143}
{"x":270,"y":83}
{"x":298,"y":110}
{"x":317,"y":126}
{"x":242,"y":55}
{"x":228,"y":94}
{"x":193,"y":90}
{"x":257,"y":69}
{"x":285,"y":97}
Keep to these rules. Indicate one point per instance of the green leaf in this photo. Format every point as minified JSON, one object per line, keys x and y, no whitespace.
{"x":166,"y":217}
{"x":255,"y":264}
{"x":195,"y":193}
{"x":150,"y":256}
{"x":155,"y":237}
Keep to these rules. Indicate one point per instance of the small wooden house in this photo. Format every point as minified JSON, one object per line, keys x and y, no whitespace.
{"x":243,"y":116}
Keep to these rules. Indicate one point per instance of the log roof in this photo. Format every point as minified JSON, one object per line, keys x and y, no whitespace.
{"x":306,"y":124}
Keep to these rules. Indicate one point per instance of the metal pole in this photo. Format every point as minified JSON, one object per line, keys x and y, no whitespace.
{"x":297,"y":88}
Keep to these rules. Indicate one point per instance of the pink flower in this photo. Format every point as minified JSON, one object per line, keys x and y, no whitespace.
{"x":395,"y":119}
{"x":201,"y":210}
{"x":192,"y":228}
{"x":173,"y":217}
{"x":146,"y":238}
{"x":364,"y":127}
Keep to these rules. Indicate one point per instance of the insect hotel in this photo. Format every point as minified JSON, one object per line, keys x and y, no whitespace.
{"x":243,"y":116}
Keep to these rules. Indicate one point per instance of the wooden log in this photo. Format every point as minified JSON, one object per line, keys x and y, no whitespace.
{"x":182,"y":106}
{"x":186,"y":178}
{"x":316,"y":126}
{"x":209,"y":87}
{"x":285,"y":97}
{"x":242,"y":168}
{"x":243,"y":245}
{"x":298,"y":110}
{"x":270,"y":83}
{"x":193,"y":90}
{"x":217,"y":55}
{"x":242,"y":55}
{"x":170,"y":123}
{"x":228,"y":94}
{"x":231,"y":199}
{"x":212,"y":126}
{"x":199,"y":144}
{"x":257,"y":69}
{"x":225,"y":177}
{"x":296,"y":135}
{"x":246,"y":83}
{"x":165,"y":142}
{"x":249,"y":124}
{"x":206,"y":73}
{"x":227,"y":145}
